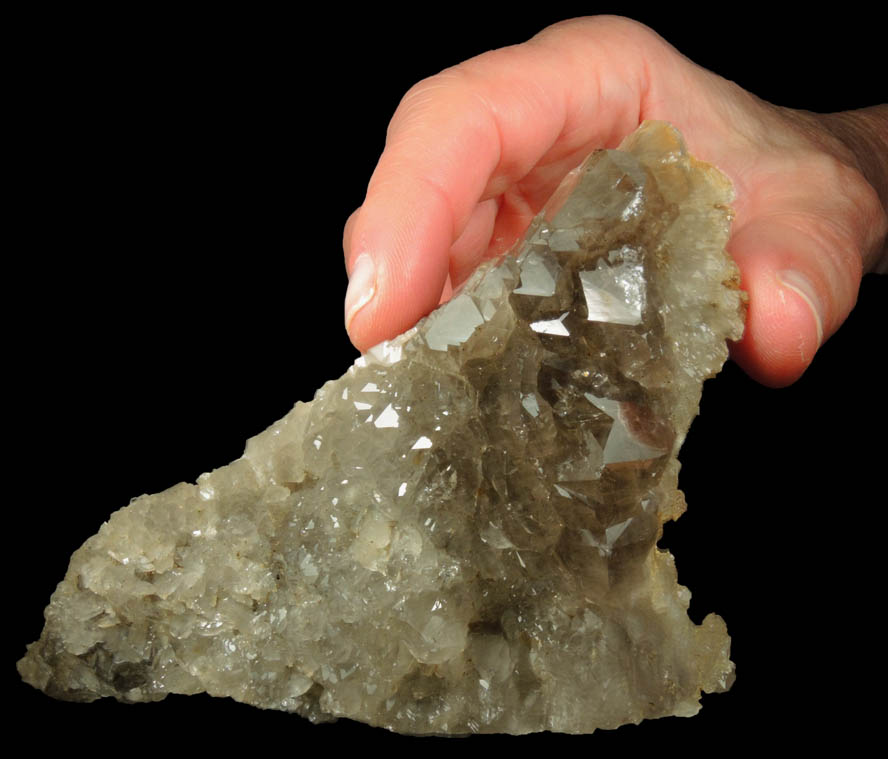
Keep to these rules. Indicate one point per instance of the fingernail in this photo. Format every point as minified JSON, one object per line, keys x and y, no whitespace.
{"x":361,"y":287}
{"x":801,"y":285}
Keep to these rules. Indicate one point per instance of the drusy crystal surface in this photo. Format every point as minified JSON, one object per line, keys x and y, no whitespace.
{"x":458,"y":535}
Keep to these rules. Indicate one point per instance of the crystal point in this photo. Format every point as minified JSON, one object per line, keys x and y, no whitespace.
{"x":460,"y":534}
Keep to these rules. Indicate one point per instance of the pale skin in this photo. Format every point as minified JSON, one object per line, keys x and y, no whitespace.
{"x":474,"y":152}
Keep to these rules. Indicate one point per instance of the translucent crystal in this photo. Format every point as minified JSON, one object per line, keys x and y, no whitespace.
{"x":458,"y":535}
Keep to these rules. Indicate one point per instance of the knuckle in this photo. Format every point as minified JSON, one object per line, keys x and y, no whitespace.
{"x":427,"y":97}
{"x":605,"y":26}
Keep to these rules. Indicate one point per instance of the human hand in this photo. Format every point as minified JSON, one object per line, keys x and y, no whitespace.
{"x":473,"y":153}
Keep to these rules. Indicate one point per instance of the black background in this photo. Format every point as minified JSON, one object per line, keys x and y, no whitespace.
{"x":180,"y":285}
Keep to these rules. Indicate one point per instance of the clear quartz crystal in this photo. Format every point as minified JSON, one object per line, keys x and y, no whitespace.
{"x":459,"y":535}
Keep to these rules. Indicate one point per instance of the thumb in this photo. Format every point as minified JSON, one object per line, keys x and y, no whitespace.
{"x":802,"y":279}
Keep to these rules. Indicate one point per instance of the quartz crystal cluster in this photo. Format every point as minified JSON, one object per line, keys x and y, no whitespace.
{"x":460,"y":534}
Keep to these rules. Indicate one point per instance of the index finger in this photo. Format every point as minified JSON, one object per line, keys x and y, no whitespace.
{"x":519,"y":117}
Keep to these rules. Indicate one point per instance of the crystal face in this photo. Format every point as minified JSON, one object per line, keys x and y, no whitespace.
{"x":459,"y":535}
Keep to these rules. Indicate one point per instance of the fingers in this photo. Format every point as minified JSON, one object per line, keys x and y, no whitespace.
{"x":801,"y":287}
{"x":474,"y":152}
{"x":800,"y":250}
{"x":470,"y":134}
{"x":474,"y":241}
{"x":784,"y":324}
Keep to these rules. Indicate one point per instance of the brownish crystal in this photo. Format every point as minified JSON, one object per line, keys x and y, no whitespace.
{"x":459,"y":535}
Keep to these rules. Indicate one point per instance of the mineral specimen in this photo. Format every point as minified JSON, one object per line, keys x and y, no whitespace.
{"x":459,"y":535}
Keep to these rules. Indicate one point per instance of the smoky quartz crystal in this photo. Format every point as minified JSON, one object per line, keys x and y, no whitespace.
{"x":460,"y":534}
